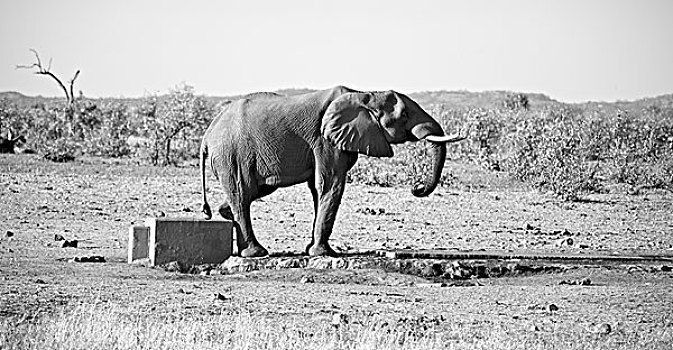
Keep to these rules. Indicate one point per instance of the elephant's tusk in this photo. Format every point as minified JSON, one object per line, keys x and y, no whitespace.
{"x":445,"y":138}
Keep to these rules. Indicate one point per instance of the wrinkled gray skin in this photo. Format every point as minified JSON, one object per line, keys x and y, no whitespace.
{"x":265,"y":141}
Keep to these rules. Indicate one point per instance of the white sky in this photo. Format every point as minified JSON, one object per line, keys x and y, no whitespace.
{"x":572,"y":50}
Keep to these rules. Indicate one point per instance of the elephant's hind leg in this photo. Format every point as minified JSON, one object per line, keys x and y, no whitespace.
{"x":225,"y":211}
{"x":247,"y":244}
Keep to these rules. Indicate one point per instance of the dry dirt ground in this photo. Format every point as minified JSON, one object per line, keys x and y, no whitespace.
{"x":96,"y":200}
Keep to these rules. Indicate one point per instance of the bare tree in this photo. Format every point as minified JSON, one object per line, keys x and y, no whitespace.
{"x":41,"y":70}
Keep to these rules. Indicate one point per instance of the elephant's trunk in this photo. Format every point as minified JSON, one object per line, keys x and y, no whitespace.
{"x":431,"y":181}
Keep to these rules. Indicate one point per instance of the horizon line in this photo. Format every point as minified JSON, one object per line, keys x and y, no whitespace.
{"x":547,"y":96}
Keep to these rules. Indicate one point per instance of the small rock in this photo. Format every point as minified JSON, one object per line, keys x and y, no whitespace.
{"x":371,"y":211}
{"x":583,"y":282}
{"x":515,"y":268}
{"x":70,"y":244}
{"x":306,"y":279}
{"x":457,"y":271}
{"x":174,"y":266}
{"x":88,"y":259}
{"x":497,"y":271}
{"x":552,"y":307}
{"x":9,"y":234}
{"x":204,"y":273}
{"x":222,"y":297}
{"x":58,"y":237}
{"x":339,"y":319}
{"x":665,"y":268}
{"x":529,"y":227}
{"x":564,"y":242}
{"x":182,"y":291}
{"x":432,"y":270}
{"x":431,"y":285}
{"x":603,"y":328}
{"x":40,"y":281}
{"x":288,"y":263}
{"x":534,"y":328}
{"x":187,"y":209}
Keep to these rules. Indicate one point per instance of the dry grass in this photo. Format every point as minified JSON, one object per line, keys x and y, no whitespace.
{"x":100,"y":327}
{"x":104,"y":327}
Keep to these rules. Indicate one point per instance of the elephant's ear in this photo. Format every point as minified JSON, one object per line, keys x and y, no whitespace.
{"x":351,"y":125}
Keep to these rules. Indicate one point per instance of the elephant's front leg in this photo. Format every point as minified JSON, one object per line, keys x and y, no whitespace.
{"x":330,"y":182}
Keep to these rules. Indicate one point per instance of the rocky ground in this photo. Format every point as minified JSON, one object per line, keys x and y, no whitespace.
{"x":44,"y":205}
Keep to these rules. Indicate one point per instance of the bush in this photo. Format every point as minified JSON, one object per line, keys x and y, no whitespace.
{"x":640,"y":151}
{"x":60,"y":151}
{"x":568,"y":150}
{"x":516,"y":102}
{"x":171,"y":126}
{"x":551,"y":150}
{"x":49,"y":131}
{"x":107,"y":129}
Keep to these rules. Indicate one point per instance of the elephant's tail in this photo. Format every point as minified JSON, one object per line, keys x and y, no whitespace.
{"x":203,"y":155}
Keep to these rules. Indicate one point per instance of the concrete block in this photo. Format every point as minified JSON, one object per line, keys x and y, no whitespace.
{"x":188,"y":241}
{"x":139,"y":241}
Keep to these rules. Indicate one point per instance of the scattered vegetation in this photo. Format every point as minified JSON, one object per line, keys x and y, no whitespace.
{"x":516,"y":101}
{"x":161,"y":130}
{"x":570,"y":150}
{"x":170,"y":128}
{"x":104,"y":327}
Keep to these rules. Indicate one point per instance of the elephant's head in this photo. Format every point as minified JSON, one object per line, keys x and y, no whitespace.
{"x":369,"y":122}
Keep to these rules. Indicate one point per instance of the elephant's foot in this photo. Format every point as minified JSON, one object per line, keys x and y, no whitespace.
{"x":308,"y":248}
{"x":254,"y":251}
{"x":225,"y":212}
{"x":322,"y":250}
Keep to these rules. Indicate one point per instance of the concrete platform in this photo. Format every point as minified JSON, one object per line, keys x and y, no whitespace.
{"x":185,"y":240}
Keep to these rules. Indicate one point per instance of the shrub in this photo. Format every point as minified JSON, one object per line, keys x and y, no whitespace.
{"x":516,"y":102}
{"x":50,"y":132}
{"x":551,"y":149}
{"x":175,"y":121}
{"x":107,"y":129}
{"x":640,"y":151}
{"x":60,"y":151}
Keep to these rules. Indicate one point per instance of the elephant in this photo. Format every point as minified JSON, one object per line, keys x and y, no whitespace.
{"x":265,"y":141}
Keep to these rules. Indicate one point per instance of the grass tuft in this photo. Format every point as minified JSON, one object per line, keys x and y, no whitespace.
{"x":104,"y":327}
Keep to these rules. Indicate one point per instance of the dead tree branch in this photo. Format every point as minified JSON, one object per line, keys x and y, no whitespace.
{"x":72,"y":82}
{"x":70,"y":97}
